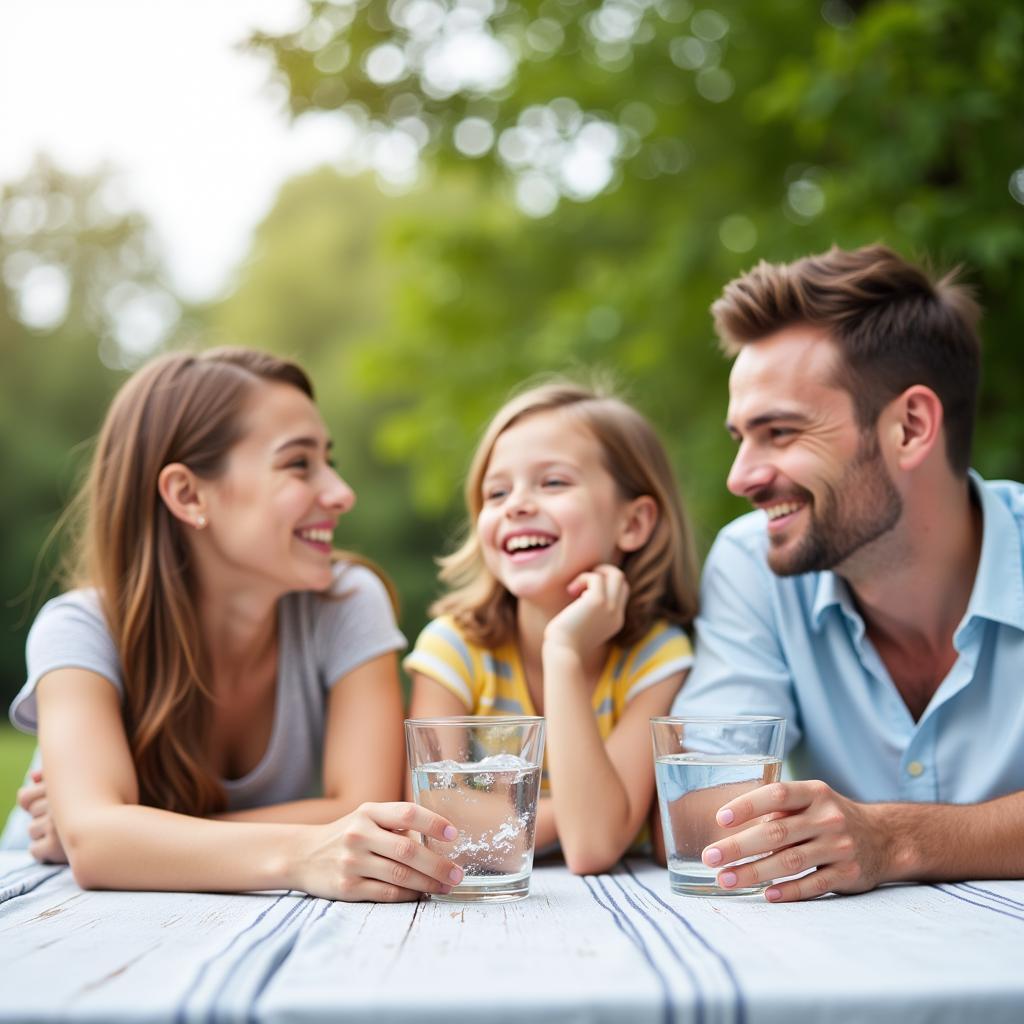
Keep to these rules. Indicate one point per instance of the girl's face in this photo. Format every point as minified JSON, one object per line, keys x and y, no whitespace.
{"x":272,"y":512}
{"x":550,"y":508}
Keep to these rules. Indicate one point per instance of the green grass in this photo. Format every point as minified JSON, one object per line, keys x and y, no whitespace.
{"x":15,"y":753}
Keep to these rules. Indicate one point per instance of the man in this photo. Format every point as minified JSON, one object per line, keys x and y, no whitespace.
{"x":875,"y":599}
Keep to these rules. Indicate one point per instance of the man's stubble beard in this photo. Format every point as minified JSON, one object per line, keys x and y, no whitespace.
{"x":861,"y":507}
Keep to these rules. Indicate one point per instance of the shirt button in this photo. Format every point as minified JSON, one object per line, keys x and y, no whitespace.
{"x":915,"y":768}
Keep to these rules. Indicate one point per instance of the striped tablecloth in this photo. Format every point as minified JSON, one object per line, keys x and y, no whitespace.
{"x":614,"y":947}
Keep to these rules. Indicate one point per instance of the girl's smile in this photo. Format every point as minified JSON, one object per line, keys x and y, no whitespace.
{"x":550,"y":508}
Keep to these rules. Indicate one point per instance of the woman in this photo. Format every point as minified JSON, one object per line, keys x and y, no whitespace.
{"x":216,"y":656}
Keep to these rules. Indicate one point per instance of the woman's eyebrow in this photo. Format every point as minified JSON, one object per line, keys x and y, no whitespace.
{"x":302,"y":442}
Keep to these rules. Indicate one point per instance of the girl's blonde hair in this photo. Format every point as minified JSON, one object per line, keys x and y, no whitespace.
{"x":662,"y":575}
{"x":178,"y":408}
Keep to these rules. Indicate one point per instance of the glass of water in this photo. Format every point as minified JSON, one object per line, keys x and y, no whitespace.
{"x":700,"y":764}
{"x":483,"y":775}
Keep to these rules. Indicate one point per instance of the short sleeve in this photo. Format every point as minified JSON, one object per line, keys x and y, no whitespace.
{"x":69,"y":632}
{"x":442,"y":654}
{"x":355,"y":623}
{"x":740,"y":667}
{"x":663,"y":652}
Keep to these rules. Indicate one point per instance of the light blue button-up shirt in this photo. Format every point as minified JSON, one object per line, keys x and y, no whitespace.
{"x":796,"y":647}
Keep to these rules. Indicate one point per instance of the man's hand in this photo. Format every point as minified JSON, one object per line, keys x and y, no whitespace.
{"x":798,"y":826}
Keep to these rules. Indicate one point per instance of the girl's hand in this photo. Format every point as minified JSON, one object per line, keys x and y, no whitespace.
{"x":46,"y":845}
{"x":596,"y":614}
{"x":373,"y":855}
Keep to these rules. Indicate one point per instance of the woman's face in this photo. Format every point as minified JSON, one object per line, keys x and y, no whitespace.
{"x":272,"y":512}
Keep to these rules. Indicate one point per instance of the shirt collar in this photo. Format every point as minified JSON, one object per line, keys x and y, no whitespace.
{"x":998,"y":591}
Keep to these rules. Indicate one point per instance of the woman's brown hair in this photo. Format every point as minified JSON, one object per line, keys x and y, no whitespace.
{"x":662,"y":575}
{"x":185,"y":408}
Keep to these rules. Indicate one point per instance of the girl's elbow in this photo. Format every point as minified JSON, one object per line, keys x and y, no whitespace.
{"x":591,"y":860}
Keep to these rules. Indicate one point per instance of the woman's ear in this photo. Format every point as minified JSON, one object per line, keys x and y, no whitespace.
{"x":638,"y":521}
{"x":180,"y":492}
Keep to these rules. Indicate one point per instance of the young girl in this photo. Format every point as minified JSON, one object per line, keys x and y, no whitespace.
{"x":218,"y":662}
{"x":571,"y":599}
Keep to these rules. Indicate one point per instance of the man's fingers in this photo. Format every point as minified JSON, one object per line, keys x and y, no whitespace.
{"x":794,"y":860}
{"x":765,"y":837}
{"x":834,"y":878}
{"x":776,"y":796}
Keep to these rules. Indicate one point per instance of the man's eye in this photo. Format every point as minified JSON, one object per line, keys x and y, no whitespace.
{"x":781,"y":433}
{"x":298,"y":464}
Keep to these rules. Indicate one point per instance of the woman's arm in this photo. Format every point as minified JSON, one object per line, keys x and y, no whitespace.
{"x":113,"y":842}
{"x":364,"y":750}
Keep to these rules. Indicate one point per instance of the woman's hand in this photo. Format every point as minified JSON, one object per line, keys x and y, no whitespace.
{"x":46,"y":845}
{"x":595,"y":615}
{"x":373,"y":854}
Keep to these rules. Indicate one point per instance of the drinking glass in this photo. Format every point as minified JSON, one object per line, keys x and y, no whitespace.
{"x":482,"y":774}
{"x":700,"y":764}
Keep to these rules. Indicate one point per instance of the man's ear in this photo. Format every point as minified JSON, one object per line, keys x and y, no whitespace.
{"x":914,"y":421}
{"x":639,"y":519}
{"x":180,"y":491}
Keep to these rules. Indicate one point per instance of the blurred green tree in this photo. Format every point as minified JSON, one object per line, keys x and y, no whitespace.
{"x":81,"y":293}
{"x":620,"y":161}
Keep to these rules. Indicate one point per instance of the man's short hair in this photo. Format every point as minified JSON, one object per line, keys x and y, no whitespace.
{"x":893,"y":324}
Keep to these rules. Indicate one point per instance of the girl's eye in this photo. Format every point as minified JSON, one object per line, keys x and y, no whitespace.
{"x":494,"y":493}
{"x":302,"y":463}
{"x":555,"y":481}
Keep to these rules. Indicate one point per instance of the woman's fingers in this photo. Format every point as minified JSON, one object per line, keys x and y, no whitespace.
{"x":29,"y":794}
{"x":389,"y":841}
{"x":403,"y":876}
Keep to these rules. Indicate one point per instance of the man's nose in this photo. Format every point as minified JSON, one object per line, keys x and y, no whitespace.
{"x":749,"y":473}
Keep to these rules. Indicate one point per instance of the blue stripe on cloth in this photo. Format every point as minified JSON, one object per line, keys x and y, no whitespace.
{"x":741,"y":1001}
{"x":699,"y":998}
{"x":1008,"y":901}
{"x":513,"y":707}
{"x":445,"y":632}
{"x":605,"y":707}
{"x":629,"y":930}
{"x":303,"y":908}
{"x":182,"y":1014}
{"x":977,"y":903}
{"x":501,"y":669}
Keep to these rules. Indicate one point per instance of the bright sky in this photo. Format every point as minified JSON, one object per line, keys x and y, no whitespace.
{"x":158,"y":89}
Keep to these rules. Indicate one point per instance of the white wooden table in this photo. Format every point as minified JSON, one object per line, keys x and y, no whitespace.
{"x":615,"y":947}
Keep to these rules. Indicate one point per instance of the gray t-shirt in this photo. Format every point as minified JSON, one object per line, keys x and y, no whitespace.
{"x":321,"y":639}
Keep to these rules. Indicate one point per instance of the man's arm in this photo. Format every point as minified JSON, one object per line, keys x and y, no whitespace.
{"x":848,"y":847}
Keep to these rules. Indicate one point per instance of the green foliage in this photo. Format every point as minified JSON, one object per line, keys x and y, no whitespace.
{"x":64,"y":237}
{"x":743,"y":131}
{"x":15,"y":754}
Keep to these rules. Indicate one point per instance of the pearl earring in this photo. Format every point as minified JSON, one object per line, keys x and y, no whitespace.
{"x":200,"y":521}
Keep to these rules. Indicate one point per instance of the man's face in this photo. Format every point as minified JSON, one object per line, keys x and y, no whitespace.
{"x":802,"y":457}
